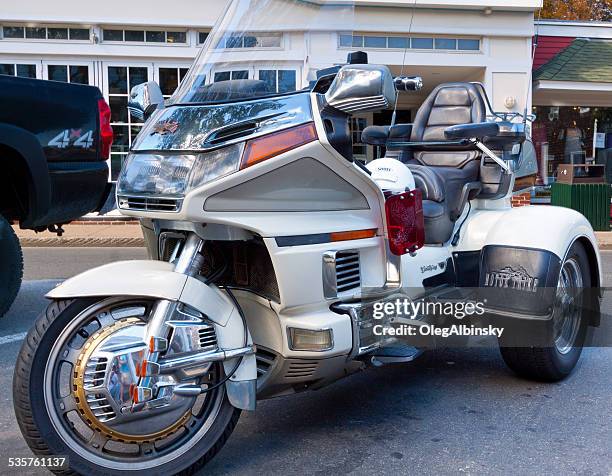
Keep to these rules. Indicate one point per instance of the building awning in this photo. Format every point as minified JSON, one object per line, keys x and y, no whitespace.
{"x":579,"y":75}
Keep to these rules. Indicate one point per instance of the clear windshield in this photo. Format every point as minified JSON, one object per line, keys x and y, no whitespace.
{"x":265,"y":47}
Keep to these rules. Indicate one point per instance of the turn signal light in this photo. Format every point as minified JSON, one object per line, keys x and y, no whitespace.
{"x":271,"y":145}
{"x":405,"y":222}
{"x":352,"y":235}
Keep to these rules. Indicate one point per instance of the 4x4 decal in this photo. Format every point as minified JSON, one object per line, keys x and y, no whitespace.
{"x":64,"y":138}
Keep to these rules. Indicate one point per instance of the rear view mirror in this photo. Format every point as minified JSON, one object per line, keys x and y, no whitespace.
{"x":361,"y":87}
{"x":144,"y":99}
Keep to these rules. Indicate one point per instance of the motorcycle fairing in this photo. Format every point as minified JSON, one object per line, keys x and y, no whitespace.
{"x":203,"y":127}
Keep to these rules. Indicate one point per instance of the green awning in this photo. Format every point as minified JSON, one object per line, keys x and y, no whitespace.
{"x":583,"y":60}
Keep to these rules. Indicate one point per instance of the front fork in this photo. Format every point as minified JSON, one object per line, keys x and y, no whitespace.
{"x":189,"y":262}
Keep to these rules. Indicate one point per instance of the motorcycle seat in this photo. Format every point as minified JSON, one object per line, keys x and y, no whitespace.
{"x":446,"y":174}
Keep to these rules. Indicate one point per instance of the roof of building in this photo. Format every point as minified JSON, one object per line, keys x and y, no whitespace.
{"x":583,"y":60}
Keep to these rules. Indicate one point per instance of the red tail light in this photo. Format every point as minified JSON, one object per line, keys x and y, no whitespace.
{"x":106,"y":131}
{"x":405,"y":223}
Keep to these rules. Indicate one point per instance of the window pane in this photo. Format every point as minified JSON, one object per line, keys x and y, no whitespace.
{"x":168,"y":80}
{"x":268,"y":76}
{"x":375,"y":41}
{"x":269,"y":41}
{"x":13,"y":31}
{"x":222,"y":76}
{"x":118,"y":107}
{"x":79,"y":33}
{"x":446,"y":44}
{"x":202,"y":36}
{"x":57,"y":33}
{"x":26,"y":71}
{"x":35,"y":32}
{"x":138,"y":76}
{"x":58,"y":72}
{"x":182,"y":73}
{"x":472,"y":45}
{"x":249,"y":41}
{"x":113,"y":35}
{"x":422,"y":43}
{"x":176,"y":37}
{"x":8,"y":69}
{"x":79,"y":74}
{"x":286,"y":81}
{"x":357,"y":41}
{"x":396,"y":42}
{"x":116,"y":163}
{"x":233,"y":41}
{"x":134,"y":35}
{"x":134,"y":131}
{"x":242,"y":74}
{"x":117,"y":80}
{"x":120,"y":139}
{"x":346,"y":41}
{"x":156,"y":36}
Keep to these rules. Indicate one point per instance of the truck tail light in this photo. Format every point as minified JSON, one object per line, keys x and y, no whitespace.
{"x":106,"y":131}
{"x":405,"y":223}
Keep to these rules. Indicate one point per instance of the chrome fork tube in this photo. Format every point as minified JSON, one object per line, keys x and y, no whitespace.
{"x":188,"y":263}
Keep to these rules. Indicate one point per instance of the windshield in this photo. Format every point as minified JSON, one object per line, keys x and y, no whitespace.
{"x":260,"y":48}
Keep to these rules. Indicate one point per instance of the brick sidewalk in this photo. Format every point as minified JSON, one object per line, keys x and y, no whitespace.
{"x":120,"y":234}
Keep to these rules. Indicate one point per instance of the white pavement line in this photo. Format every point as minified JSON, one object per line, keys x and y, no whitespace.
{"x":12,"y":338}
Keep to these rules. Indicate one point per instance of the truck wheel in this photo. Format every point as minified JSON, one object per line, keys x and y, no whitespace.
{"x":569,"y":326}
{"x":11,"y":266}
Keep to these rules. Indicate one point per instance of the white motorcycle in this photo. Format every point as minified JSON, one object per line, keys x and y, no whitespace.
{"x":271,"y":249}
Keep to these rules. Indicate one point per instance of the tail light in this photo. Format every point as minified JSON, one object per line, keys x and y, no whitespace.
{"x":106,"y":131}
{"x":405,"y":223}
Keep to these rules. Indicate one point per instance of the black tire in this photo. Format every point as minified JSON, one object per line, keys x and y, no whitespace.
{"x":38,"y":430}
{"x":11,"y":266}
{"x":548,"y":364}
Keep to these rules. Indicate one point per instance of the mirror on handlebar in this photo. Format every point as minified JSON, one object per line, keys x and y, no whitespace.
{"x":144,"y":99}
{"x":361,"y":87}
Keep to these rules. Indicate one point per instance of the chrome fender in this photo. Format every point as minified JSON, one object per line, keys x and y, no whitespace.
{"x":156,"y":279}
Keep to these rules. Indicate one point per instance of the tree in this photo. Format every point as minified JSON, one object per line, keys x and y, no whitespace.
{"x":597,"y":10}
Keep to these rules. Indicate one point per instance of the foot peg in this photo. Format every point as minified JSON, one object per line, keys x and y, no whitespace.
{"x":395,"y":354}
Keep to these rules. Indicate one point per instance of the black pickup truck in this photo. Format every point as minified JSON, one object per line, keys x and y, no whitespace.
{"x":55,"y":139}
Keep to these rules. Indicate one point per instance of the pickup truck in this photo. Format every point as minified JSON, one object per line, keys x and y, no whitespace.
{"x":55,"y":139}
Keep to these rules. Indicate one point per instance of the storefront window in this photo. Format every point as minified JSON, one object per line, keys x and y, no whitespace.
{"x":564,"y":135}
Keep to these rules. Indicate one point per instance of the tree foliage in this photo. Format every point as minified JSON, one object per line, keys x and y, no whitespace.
{"x":598,"y":10}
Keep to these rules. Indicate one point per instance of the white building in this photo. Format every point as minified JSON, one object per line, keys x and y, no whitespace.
{"x":116,"y":45}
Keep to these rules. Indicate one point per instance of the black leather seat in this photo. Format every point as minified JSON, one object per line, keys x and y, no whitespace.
{"x":442,"y":171}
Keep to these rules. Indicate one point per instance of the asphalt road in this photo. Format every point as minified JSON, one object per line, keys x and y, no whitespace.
{"x":454,"y":411}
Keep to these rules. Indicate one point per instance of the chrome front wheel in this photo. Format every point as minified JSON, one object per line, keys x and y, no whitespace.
{"x":75,"y":379}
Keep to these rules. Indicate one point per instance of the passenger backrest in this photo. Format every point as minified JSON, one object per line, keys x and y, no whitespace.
{"x":447,"y":105}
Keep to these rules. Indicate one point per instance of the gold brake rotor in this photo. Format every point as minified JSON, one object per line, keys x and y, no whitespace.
{"x":80,"y":396}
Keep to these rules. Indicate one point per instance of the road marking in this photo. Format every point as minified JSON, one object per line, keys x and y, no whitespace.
{"x":12,"y":338}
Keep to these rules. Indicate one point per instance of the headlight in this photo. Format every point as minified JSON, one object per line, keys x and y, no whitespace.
{"x":175,"y":175}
